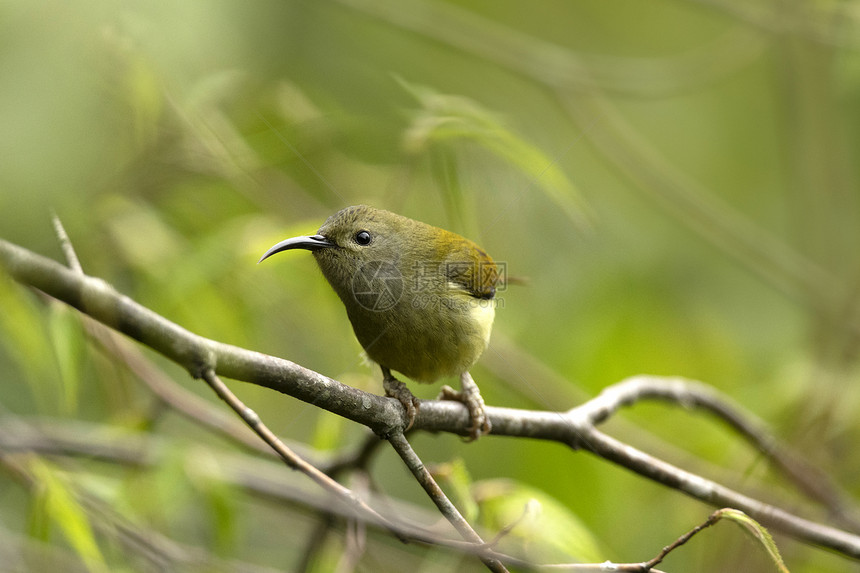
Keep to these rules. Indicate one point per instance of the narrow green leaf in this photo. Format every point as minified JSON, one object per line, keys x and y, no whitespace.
{"x":444,"y":118}
{"x":39,"y":524}
{"x":219,"y":498}
{"x":61,"y":508}
{"x":24,"y":338}
{"x":64,"y":328}
{"x":758,"y":532}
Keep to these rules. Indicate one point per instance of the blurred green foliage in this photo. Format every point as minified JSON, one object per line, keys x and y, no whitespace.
{"x":675,"y":180}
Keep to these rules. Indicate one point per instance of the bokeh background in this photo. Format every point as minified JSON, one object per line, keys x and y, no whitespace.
{"x":675,"y":182}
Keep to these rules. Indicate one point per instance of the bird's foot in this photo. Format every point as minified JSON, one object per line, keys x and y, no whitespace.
{"x":394,"y":388}
{"x":470,"y":396}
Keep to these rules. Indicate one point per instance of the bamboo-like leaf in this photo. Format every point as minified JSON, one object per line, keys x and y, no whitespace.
{"x":758,"y":532}
{"x":444,"y":118}
{"x":64,"y":328}
{"x":26,"y":340}
{"x":59,"y":506}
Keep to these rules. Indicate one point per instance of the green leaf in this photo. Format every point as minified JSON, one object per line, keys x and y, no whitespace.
{"x":758,"y":532}
{"x":64,"y":327}
{"x":56,"y":503}
{"x":219,"y":498}
{"x":443,"y":118}
{"x":23,"y":336}
{"x":540,"y":527}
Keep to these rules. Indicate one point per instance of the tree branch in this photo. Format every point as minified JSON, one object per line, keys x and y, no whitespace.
{"x":691,"y":394}
{"x":720,"y":496}
{"x":204,"y":357}
{"x":340,"y":492}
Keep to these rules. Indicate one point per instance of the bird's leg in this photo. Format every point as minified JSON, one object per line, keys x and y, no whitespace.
{"x":470,"y":396}
{"x":394,"y":388}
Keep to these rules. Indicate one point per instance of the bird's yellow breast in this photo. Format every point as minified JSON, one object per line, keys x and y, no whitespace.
{"x":427,"y":338}
{"x":483,"y":315}
{"x":481,"y":312}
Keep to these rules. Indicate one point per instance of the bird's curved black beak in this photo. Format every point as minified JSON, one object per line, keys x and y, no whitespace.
{"x":310,"y":243}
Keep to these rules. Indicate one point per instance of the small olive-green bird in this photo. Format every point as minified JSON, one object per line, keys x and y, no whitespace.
{"x":420,"y":299}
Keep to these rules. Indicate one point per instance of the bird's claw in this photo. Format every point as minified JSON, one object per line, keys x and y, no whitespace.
{"x":470,"y":396}
{"x":394,"y":388}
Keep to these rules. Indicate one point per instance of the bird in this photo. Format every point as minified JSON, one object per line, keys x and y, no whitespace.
{"x":421,"y":299}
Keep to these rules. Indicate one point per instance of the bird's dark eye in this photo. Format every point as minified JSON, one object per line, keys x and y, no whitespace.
{"x":362,"y":238}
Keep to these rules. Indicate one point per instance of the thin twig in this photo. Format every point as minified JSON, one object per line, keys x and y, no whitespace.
{"x":315,"y":542}
{"x":528,"y":509}
{"x":289,"y":457}
{"x":66,"y":245}
{"x":712,"y":519}
{"x":180,"y":400}
{"x":404,"y":449}
{"x":355,"y":459}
